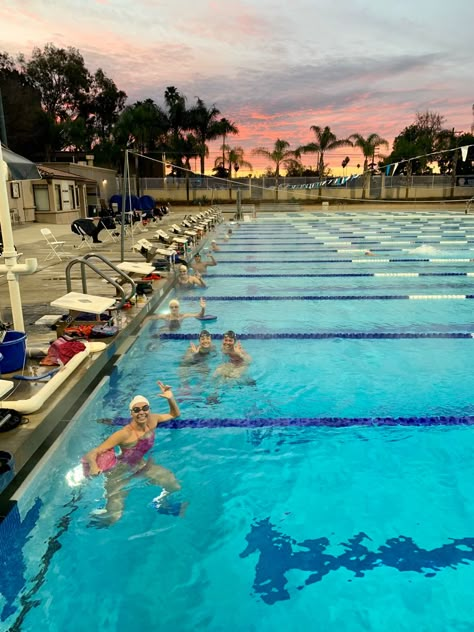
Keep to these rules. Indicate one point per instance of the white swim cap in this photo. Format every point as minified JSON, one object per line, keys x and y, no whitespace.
{"x":138,"y":399}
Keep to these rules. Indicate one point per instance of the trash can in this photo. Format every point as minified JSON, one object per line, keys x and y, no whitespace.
{"x":13,"y":351}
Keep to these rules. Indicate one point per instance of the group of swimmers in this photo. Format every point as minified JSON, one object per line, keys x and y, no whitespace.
{"x":135,"y":439}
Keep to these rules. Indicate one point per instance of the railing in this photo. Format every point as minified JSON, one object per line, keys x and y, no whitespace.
{"x":349,"y":181}
{"x":85,"y":262}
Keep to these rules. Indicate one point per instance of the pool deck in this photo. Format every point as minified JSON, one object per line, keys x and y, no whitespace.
{"x":29,"y":442}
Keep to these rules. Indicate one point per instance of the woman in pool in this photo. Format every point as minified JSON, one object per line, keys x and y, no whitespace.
{"x":174,"y":318}
{"x":185,"y":280}
{"x":135,"y":440}
{"x":237,"y":361}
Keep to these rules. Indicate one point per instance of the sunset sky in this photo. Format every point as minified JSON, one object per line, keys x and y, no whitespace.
{"x":274,"y":68}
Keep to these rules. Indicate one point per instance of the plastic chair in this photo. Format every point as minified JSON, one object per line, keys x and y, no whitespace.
{"x":55,"y":245}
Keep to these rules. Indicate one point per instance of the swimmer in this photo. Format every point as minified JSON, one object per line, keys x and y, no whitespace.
{"x":369,"y":253}
{"x":214,"y":246}
{"x":175,"y":318}
{"x":238,"y":360}
{"x":202,"y":350}
{"x":185,"y":280}
{"x":200,"y":266}
{"x":135,"y":440}
{"x":196,"y":356}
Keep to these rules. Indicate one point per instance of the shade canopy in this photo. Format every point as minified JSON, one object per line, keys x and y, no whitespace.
{"x":20,"y":168}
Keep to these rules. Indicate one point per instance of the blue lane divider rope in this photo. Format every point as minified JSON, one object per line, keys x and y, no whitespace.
{"x":352,"y":335}
{"x":323,"y":422}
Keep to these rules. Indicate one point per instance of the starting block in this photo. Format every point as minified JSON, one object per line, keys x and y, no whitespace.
{"x":77,"y":303}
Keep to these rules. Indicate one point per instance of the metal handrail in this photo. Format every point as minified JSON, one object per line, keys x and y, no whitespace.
{"x":84,"y":261}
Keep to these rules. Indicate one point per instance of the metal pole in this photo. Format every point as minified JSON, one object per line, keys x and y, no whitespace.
{"x":11,"y":266}
{"x":3,"y":129}
{"x":124,"y":194}
{"x":239,"y":204}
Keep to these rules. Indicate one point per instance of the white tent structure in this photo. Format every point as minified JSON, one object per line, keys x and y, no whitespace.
{"x":18,"y":168}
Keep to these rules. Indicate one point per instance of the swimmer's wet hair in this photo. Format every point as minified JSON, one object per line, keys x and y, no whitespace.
{"x":203,"y":333}
{"x":230,"y":334}
{"x":173,"y":302}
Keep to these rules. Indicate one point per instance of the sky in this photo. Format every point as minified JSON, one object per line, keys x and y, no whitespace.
{"x":273,"y":68}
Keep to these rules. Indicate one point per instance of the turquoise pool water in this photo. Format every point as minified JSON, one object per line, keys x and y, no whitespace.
{"x":290,"y":525}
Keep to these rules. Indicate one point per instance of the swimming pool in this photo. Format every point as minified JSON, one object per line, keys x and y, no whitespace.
{"x":330,"y":489}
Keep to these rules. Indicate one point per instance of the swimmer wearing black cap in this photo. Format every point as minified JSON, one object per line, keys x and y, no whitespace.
{"x":202,"y":350}
{"x":237,"y":359}
{"x":201,"y":266}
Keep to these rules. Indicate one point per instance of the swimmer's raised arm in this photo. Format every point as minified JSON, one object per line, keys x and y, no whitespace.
{"x":174,"y":412}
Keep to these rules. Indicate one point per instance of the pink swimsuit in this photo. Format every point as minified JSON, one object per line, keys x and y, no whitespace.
{"x":135,"y":453}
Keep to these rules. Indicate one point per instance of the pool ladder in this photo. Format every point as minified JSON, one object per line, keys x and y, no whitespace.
{"x":85,"y":262}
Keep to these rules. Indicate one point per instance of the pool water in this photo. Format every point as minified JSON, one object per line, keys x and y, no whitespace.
{"x":325,"y":489}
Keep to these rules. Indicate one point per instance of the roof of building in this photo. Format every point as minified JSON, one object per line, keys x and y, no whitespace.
{"x":49,"y":172}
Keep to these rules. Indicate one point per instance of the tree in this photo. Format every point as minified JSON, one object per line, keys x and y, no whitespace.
{"x":281,"y":155}
{"x":369,"y":147}
{"x":203,"y":122}
{"x":62,"y":78}
{"x":325,"y":141}
{"x":234,"y":156}
{"x":104,"y":105}
{"x":142,"y":125}
{"x":415,"y":145}
{"x":235,"y":159}
{"x":225,"y":128}
{"x":178,"y":116}
{"x":26,"y":123}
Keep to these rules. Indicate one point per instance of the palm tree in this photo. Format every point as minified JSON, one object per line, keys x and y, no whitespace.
{"x":235,"y":158}
{"x":368,"y":146}
{"x":281,"y":156}
{"x":226,"y":127}
{"x":177,"y":113}
{"x":325,"y":141}
{"x":205,"y":125}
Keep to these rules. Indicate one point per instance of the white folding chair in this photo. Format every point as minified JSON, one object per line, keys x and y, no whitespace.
{"x":109,"y":234}
{"x":86,"y":240}
{"x":56,"y":246}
